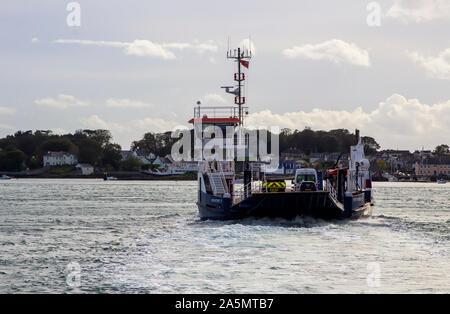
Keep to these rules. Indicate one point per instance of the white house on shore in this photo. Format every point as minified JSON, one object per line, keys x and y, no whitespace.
{"x":59,"y":159}
{"x":191,"y":166}
{"x":162,"y":162}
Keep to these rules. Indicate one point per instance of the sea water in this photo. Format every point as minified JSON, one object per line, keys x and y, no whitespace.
{"x":94,"y":236}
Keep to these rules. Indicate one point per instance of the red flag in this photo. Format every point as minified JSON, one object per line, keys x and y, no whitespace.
{"x":245,"y":63}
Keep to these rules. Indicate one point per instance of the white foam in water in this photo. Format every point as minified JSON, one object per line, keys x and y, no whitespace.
{"x":146,"y":237}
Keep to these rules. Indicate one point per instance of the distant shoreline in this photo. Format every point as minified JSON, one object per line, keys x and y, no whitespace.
{"x":135,"y":176}
{"x":119,"y":175}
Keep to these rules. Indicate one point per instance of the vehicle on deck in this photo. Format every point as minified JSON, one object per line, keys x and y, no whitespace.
{"x":302,"y":175}
{"x":308,"y":186}
{"x":274,"y":185}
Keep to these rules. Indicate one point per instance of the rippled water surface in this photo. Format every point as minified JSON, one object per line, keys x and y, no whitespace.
{"x":59,"y":236}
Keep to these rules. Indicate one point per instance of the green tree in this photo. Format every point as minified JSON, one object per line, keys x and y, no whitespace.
{"x":102,"y":137}
{"x":57,"y":145}
{"x":147,"y":144}
{"x":12,"y":160}
{"x":159,"y":144}
{"x":370,"y":145}
{"x":111,"y":156}
{"x":131,"y":164}
{"x":441,"y":149}
{"x":90,"y":152}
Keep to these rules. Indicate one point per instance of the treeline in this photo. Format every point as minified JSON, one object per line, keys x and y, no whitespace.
{"x":26,"y":149}
{"x":309,"y":141}
{"x":159,"y":144}
{"x":306,"y":141}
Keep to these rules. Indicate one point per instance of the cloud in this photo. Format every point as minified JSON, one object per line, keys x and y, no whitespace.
{"x":395,"y":123}
{"x":419,"y":10}
{"x":7,"y":110}
{"x":436,"y":67}
{"x":213,"y":98}
{"x":127,"y":103}
{"x":6,"y":127}
{"x":95,"y":122}
{"x":198,"y":47}
{"x":59,"y":131}
{"x":334,"y":50}
{"x":62,"y":101}
{"x":156,"y":124}
{"x":146,"y":48}
{"x":131,"y":129}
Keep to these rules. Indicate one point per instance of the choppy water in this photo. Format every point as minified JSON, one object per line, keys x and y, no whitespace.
{"x":60,"y":236}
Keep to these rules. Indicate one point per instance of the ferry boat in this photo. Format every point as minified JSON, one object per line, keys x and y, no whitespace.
{"x":233,"y":189}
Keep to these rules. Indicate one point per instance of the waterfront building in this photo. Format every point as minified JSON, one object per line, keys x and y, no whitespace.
{"x":59,"y":159}
{"x":436,"y":166}
{"x":162,"y":162}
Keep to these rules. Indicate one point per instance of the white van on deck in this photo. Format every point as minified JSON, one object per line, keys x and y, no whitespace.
{"x":304,"y":175}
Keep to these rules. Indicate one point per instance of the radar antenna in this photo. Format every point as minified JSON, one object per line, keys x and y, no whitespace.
{"x":241,"y":57}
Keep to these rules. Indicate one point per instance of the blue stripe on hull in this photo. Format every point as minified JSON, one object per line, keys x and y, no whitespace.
{"x":207,"y":212}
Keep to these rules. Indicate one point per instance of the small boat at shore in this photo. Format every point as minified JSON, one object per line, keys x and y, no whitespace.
{"x":5,"y":177}
{"x":167,"y":172}
{"x":441,"y":181}
{"x":108,"y":178}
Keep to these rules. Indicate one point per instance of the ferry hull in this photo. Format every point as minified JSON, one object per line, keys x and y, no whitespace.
{"x":286,"y":205}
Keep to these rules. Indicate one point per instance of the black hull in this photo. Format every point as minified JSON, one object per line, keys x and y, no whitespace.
{"x":290,"y":205}
{"x":287,"y":205}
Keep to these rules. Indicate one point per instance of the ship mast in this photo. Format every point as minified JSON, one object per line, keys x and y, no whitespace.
{"x":240,"y":57}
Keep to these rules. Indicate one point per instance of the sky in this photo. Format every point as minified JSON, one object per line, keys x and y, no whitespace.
{"x":139,"y":66}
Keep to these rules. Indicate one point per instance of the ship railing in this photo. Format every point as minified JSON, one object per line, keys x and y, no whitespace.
{"x":245,"y":191}
{"x":222,"y":175}
{"x":331,"y":189}
{"x":212,"y":168}
{"x":218,"y":111}
{"x":217,"y":166}
{"x":226,"y":166}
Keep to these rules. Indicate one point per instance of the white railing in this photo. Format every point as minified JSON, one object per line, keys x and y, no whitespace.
{"x":222,"y":177}
{"x":215,"y":168}
{"x":332,"y":190}
{"x":218,"y":111}
{"x":244,"y":191}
